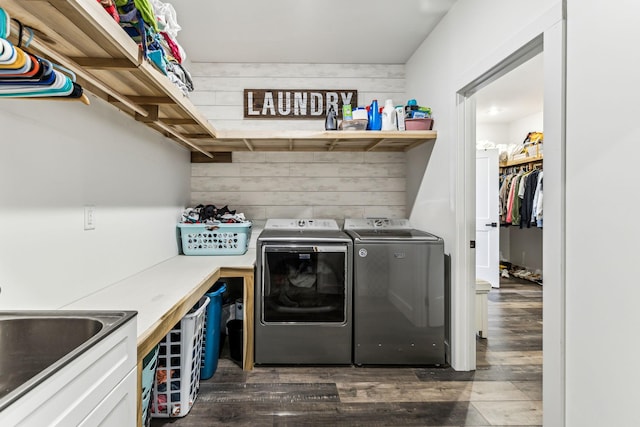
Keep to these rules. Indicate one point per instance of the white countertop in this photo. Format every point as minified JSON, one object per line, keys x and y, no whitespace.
{"x":154,"y":291}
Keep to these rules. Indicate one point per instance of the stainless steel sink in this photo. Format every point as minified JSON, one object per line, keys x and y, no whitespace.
{"x":36,"y":344}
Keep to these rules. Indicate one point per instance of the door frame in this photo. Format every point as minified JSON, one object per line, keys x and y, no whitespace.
{"x":548,"y":36}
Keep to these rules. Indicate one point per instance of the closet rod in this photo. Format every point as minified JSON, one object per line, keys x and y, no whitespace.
{"x":87,"y":78}
{"x":17,"y":33}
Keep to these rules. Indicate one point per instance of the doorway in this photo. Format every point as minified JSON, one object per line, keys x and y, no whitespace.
{"x":554,"y":55}
{"x":509,"y":155}
{"x":509,"y":158}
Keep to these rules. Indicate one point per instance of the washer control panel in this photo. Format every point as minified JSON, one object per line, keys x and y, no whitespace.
{"x":376,"y":223}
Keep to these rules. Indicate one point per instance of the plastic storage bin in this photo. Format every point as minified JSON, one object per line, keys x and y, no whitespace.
{"x":236,"y":338}
{"x":218,"y":239}
{"x":418,"y":124}
{"x":177,"y":381}
{"x":212,"y":334}
{"x":149,"y":364}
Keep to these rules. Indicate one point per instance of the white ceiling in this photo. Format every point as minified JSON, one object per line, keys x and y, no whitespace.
{"x":306,"y":31}
{"x":339,"y":32}
{"x":515,"y":95}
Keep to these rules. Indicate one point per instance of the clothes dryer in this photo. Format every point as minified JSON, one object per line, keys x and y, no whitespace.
{"x":303,"y":294}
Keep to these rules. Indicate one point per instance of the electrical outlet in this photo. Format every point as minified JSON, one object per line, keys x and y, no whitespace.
{"x":89,"y":217}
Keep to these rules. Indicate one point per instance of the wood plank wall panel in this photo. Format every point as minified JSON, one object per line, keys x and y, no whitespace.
{"x":219,"y":88}
{"x":303,"y":184}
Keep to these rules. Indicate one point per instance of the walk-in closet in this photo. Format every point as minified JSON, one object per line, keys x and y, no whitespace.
{"x":509,"y":125}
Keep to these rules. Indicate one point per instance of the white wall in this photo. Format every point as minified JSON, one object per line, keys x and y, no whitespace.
{"x":219,"y":88}
{"x":525,"y":248}
{"x":57,"y":157}
{"x":498,"y":133}
{"x":518,"y":129}
{"x":513,"y":132}
{"x":454,"y":54}
{"x":304,"y":184}
{"x":602,"y":291}
{"x":417,"y":162}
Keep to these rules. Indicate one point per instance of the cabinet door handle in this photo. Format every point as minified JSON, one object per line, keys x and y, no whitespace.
{"x":493,"y":224}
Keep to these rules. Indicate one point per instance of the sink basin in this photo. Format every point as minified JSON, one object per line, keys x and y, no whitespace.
{"x":36,"y":344}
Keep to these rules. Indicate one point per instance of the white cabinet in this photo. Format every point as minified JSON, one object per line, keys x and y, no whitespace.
{"x":118,"y":408}
{"x":97,"y":388}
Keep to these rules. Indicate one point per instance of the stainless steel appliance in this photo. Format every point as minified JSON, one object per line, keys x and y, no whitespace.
{"x":303,"y":293}
{"x":399,"y":294}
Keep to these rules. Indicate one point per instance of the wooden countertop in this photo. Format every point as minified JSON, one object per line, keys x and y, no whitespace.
{"x":157,"y":292}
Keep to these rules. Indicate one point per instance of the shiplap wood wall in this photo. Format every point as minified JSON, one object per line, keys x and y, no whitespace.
{"x":304,"y":184}
{"x":219,"y":88}
{"x":297,"y":184}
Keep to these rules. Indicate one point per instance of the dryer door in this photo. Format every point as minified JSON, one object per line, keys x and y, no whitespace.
{"x":304,"y":284}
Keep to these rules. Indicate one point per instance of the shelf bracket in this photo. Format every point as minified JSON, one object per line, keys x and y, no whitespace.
{"x":333,"y":144}
{"x":248,"y":144}
{"x":114,"y":98}
{"x":152,"y":114}
{"x":218,"y":157}
{"x":181,"y":138}
{"x":375,"y":144}
{"x":415,"y":144}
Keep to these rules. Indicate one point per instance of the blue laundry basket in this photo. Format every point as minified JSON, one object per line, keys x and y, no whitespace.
{"x":212,"y":332}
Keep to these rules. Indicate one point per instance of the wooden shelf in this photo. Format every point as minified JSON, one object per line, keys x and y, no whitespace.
{"x":534,"y":159}
{"x":79,"y":35}
{"x":273,"y":140}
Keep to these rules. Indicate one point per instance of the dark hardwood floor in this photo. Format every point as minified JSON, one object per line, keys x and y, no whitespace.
{"x":505,"y":389}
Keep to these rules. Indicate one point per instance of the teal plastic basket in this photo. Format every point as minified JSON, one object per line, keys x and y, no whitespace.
{"x":149,"y":364}
{"x":217,"y":239}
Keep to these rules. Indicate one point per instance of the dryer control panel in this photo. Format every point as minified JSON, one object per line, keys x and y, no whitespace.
{"x":301,"y":224}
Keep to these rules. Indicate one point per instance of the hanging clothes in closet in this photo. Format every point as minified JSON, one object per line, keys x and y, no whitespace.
{"x":521,"y":201}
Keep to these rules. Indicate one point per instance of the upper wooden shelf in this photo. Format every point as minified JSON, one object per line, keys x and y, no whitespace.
{"x":79,"y":35}
{"x":316,"y":140}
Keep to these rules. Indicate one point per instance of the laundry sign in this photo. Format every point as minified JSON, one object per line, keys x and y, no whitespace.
{"x":295,"y":103}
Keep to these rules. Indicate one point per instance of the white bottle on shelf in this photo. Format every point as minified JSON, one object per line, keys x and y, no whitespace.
{"x":389,"y":116}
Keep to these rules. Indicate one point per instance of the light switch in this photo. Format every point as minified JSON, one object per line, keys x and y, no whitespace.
{"x":89,"y":217}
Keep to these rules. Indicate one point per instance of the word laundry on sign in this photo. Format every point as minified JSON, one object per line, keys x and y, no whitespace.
{"x":295,"y":103}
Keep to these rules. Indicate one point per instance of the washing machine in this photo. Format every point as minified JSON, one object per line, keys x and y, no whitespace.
{"x":303,"y":294}
{"x":399,"y":293}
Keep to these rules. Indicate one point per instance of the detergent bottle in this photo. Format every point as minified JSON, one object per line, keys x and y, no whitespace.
{"x":375,"y":121}
{"x":331,"y":122}
{"x":389,"y":116}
